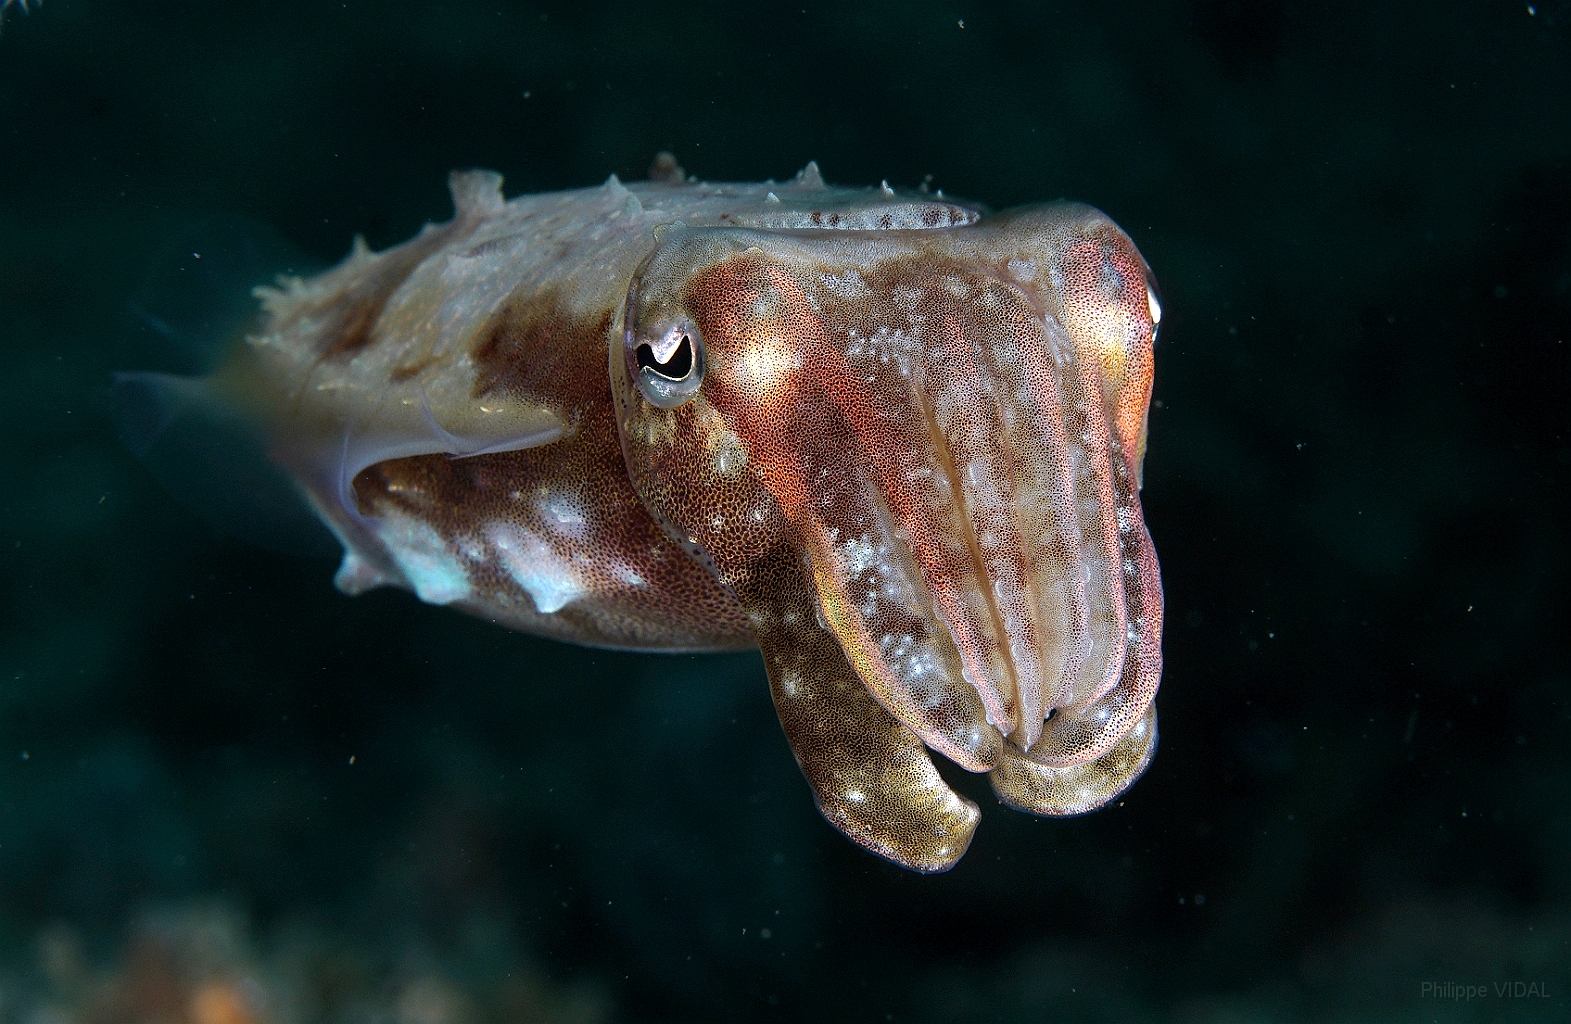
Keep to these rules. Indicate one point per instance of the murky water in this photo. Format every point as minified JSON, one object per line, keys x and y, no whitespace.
{"x":229,"y":794}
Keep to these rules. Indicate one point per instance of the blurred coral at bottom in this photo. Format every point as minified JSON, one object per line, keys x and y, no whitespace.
{"x":203,"y":964}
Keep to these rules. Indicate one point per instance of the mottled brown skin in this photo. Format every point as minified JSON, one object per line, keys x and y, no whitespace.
{"x":534,"y":345}
{"x":900,"y":453}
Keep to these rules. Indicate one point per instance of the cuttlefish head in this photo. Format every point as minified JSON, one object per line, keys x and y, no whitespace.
{"x":915,"y":458}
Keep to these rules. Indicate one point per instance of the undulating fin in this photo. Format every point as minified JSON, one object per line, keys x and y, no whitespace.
{"x":194,"y":306}
{"x":332,"y":460}
{"x":246,"y":418}
{"x":214,"y":461}
{"x":194,"y":303}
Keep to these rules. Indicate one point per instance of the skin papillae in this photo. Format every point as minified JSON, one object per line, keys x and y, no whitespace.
{"x":891,"y":440}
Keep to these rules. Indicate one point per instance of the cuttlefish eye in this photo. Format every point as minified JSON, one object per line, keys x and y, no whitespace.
{"x":669,"y":366}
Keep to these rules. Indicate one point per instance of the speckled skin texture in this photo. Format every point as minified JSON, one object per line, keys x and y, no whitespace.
{"x":903,"y":459}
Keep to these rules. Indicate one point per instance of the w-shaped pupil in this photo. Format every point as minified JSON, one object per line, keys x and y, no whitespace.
{"x":677,"y":367}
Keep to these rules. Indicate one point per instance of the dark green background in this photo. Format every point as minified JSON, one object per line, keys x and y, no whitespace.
{"x":1360,"y":216}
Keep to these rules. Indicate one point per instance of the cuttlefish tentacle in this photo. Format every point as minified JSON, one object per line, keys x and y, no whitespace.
{"x":871,"y":776}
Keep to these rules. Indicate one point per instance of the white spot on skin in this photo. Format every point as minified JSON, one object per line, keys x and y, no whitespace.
{"x":762,"y":366}
{"x":788,"y":682}
{"x":765,"y":302}
{"x":858,"y":554}
{"x":729,"y":456}
{"x":424,"y":558}
{"x":627,"y":574}
{"x":550,"y":581}
{"x":847,"y":285}
{"x":560,"y":510}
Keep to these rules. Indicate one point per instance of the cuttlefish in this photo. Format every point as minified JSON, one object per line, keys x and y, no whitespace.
{"x":890,"y":439}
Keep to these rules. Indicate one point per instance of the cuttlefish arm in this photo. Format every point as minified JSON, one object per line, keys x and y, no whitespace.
{"x":871,"y":776}
{"x":938,"y":438}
